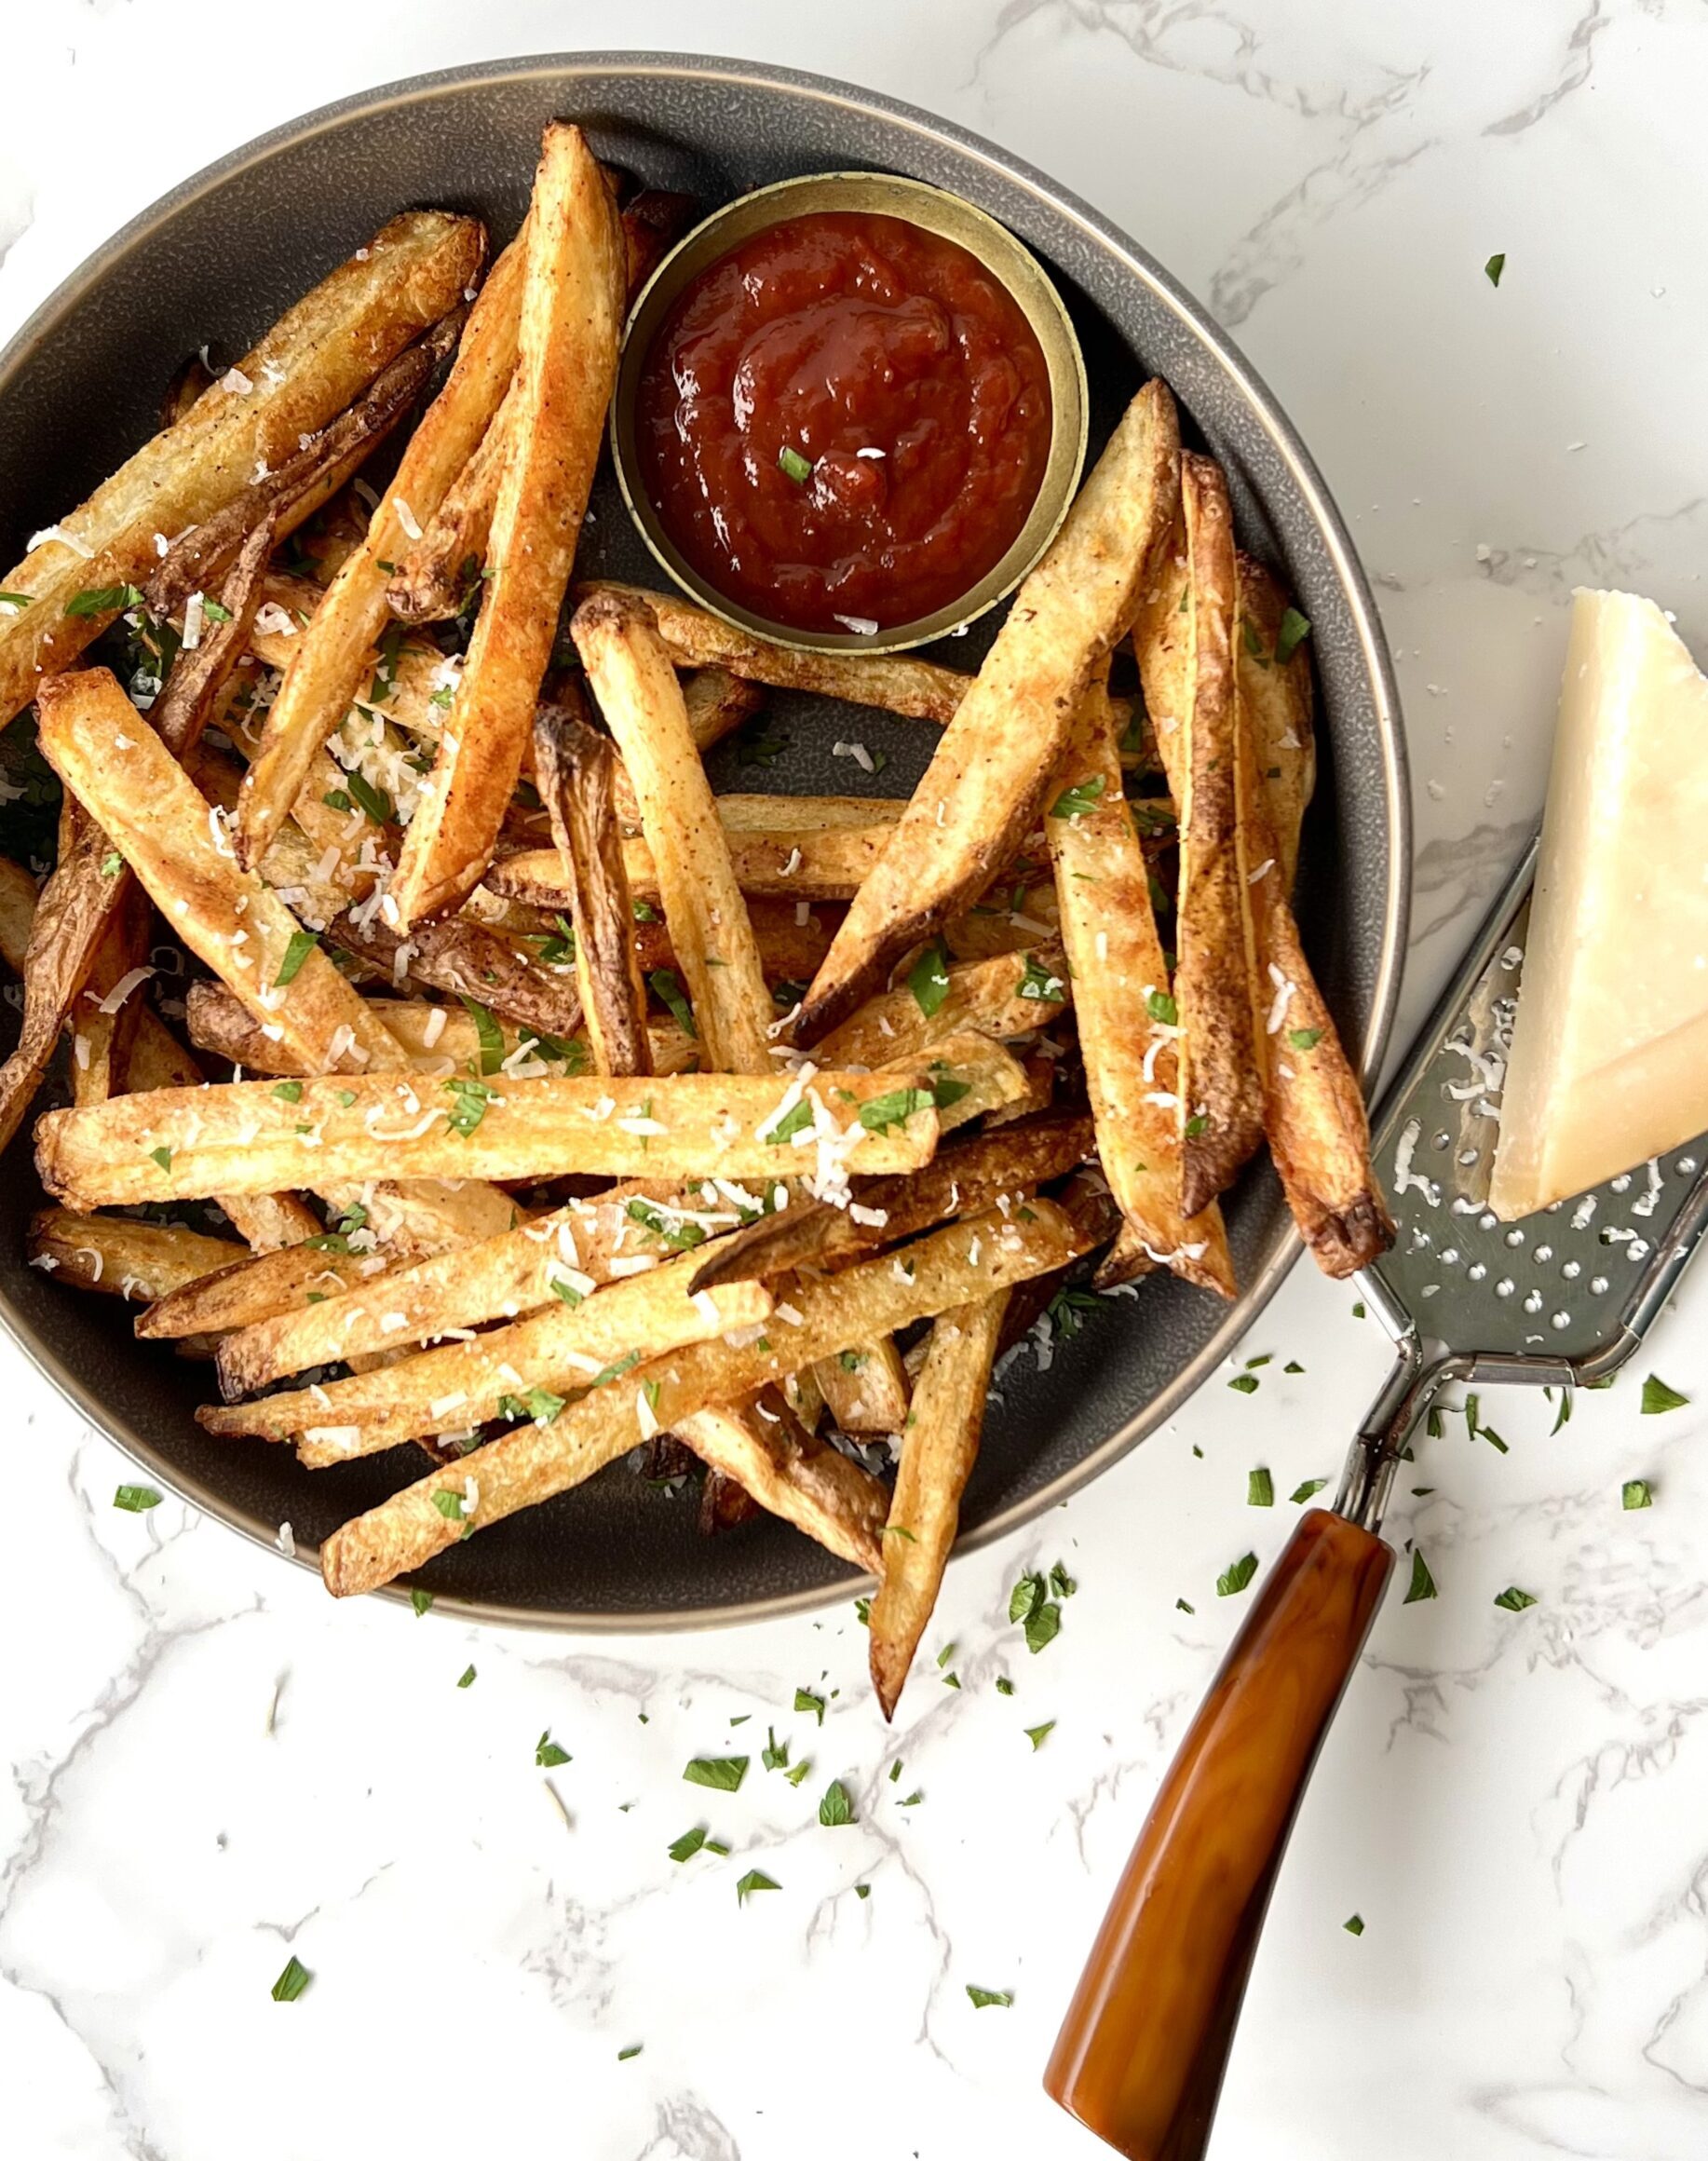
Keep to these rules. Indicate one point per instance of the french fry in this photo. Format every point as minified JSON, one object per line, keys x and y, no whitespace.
{"x":104,"y":1027}
{"x":565,"y":1254}
{"x":122,"y":1258}
{"x":1183,"y":639}
{"x":268,"y":1222}
{"x":892,"y":682}
{"x":961,"y":1180}
{"x":182,"y":1144}
{"x":248,"y":1293}
{"x":531,"y":1463}
{"x":330,"y":660}
{"x":1011,"y":994}
{"x":439,"y":1039}
{"x":869,"y":1394}
{"x":937,"y":1460}
{"x":1129,"y":1035}
{"x":805,"y":863}
{"x":789,"y":949}
{"x":571,"y":310}
{"x":17,"y":902}
{"x":470,"y":962}
{"x":576,"y":768}
{"x":1313,"y":1108}
{"x":319,"y":354}
{"x":1275,"y":703}
{"x":986,"y":781}
{"x":793,"y":1473}
{"x":560,"y":1351}
{"x":431,"y":581}
{"x":116,"y":765}
{"x":636,"y":687}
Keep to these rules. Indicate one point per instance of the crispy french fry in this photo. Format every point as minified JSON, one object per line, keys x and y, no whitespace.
{"x":124,"y":1259}
{"x":318,"y":356}
{"x":798,"y":863}
{"x":1184,"y":638}
{"x":572,"y":311}
{"x":985,"y":786}
{"x":330,"y":660}
{"x":559,"y":1349}
{"x":788,"y":948}
{"x":937,"y":1458}
{"x":1275,"y":703}
{"x":637,"y":691}
{"x":248,"y":1293}
{"x":576,"y":768}
{"x":116,"y":765}
{"x":531,"y":1463}
{"x":1128,"y":1030}
{"x":433,"y":575}
{"x":17,"y":902}
{"x":470,"y":962}
{"x":439,"y":1039}
{"x":869,"y":1393}
{"x":1313,"y":1108}
{"x":182,"y":1144}
{"x":792,"y":1473}
{"x":1011,"y":994}
{"x":268,"y":1222}
{"x":981,"y":1173}
{"x":893,"y":681}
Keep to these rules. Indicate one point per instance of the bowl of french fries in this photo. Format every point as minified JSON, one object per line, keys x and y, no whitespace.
{"x":530,"y":1095}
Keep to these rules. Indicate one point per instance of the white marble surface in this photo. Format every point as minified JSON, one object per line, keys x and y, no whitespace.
{"x":211,"y":1766}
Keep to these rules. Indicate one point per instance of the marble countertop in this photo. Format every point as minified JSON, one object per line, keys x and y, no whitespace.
{"x":213,"y":1768}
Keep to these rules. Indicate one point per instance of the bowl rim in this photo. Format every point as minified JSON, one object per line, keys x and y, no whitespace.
{"x":967,"y":227}
{"x":1314,"y":493}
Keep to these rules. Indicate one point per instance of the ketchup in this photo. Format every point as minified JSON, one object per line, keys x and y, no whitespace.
{"x":843,"y":422}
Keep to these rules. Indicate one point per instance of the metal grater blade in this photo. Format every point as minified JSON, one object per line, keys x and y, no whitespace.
{"x":1564,"y":1295}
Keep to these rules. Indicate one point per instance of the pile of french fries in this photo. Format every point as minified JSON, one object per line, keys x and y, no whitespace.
{"x":563,"y":1107}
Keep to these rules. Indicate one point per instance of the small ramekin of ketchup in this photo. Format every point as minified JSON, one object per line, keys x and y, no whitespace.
{"x":850,"y":412}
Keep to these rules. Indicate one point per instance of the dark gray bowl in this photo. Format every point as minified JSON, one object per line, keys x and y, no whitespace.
{"x":223,"y":255}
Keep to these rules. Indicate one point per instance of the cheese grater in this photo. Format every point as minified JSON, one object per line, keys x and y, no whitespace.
{"x":1560,"y":1299}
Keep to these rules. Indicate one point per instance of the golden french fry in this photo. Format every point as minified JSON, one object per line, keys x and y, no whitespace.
{"x":789,"y":1471}
{"x":970,"y":1175}
{"x":319,"y":356}
{"x":985,"y":786}
{"x":637,"y":690}
{"x":439,"y":1039}
{"x":937,"y":1457}
{"x":531,"y":1463}
{"x":268,"y":1222}
{"x":247,"y":1293}
{"x":18,"y":903}
{"x":572,"y":311}
{"x":893,"y":681}
{"x":122,"y":1258}
{"x":1184,"y":638}
{"x":1011,"y":994}
{"x":788,"y":948}
{"x":561,"y":1350}
{"x":1275,"y":703}
{"x":331,"y":658}
{"x":576,"y":768}
{"x":1313,"y":1108}
{"x":182,"y":1144}
{"x":468,"y":960}
{"x":803,"y":864}
{"x":1129,"y":1032}
{"x":866,"y":1386}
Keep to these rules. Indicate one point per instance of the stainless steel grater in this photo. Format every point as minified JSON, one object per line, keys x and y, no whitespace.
{"x":1560,"y":1299}
{"x":1564,"y":1297}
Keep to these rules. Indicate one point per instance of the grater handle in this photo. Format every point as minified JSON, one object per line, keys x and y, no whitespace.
{"x":1140,"y":2054}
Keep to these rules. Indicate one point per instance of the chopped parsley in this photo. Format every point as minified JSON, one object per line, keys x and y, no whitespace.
{"x":1636,"y":1493}
{"x":1422,"y":1585}
{"x":1161,"y":1007}
{"x":1039,"y":1616}
{"x":375,"y":801}
{"x":669,"y":991}
{"x":775,"y":1754}
{"x":289,"y":1091}
{"x":679,"y":1236}
{"x":1078,"y":801}
{"x":835,"y":1808}
{"x":1304,"y":1038}
{"x":421,"y":1601}
{"x":1513,"y":1600}
{"x":1237,"y":1576}
{"x":163,"y":1156}
{"x":299,"y":945}
{"x":1037,"y":1736}
{"x":1196,"y":1125}
{"x":1040,"y":984}
{"x":537,"y":1404}
{"x":1659,"y":1397}
{"x":469,"y":1102}
{"x":793,"y":466}
{"x":894,"y":1109}
{"x":293,"y":1981}
{"x":1494,"y":266}
{"x":139,"y":1499}
{"x":984,"y":1998}
{"x":467,"y":1680}
{"x":755,"y":1880}
{"x":102,"y":600}
{"x":797,"y":1119}
{"x":633,"y":2048}
{"x":1244,"y":1383}
{"x":698,"y":1841}
{"x":1354,"y":1925}
{"x":723,"y":1773}
{"x":112,"y":864}
{"x":546,"y":1754}
{"x":1259,"y":1488}
{"x":1303,"y":1491}
{"x":805,"y":1700}
{"x":489,"y":1035}
{"x":928,"y":978}
{"x":1295,"y":630}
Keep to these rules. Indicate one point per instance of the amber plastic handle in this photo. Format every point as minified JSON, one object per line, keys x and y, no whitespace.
{"x":1140,"y":2054}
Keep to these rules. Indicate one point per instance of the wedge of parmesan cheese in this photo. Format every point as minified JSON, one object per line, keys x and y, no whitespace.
{"x":1609,"y":1059}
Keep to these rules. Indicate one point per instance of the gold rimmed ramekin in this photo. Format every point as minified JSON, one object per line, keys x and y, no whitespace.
{"x":881,"y":195}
